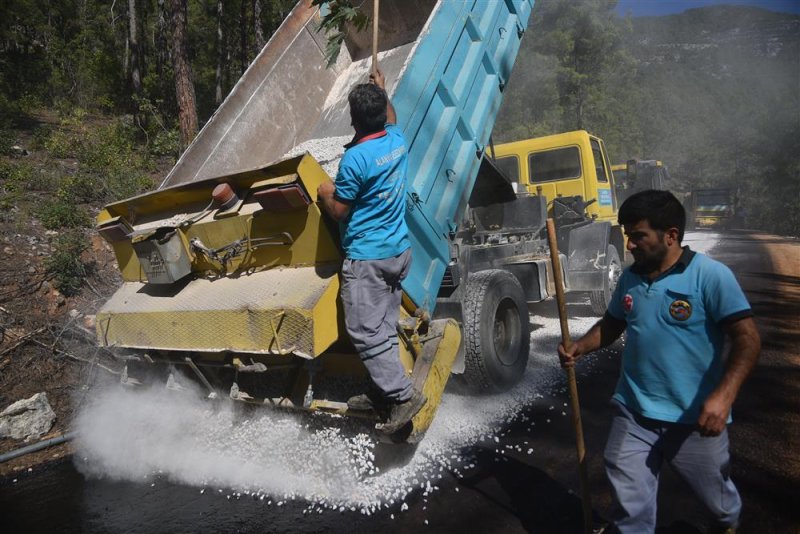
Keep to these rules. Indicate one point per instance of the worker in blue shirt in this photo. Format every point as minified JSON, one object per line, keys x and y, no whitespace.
{"x":368,"y":200}
{"x":676,"y":387}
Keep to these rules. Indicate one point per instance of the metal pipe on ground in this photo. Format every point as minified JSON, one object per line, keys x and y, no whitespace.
{"x":22,"y":451}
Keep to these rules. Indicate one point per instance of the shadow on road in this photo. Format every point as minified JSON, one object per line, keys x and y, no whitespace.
{"x":539,"y":502}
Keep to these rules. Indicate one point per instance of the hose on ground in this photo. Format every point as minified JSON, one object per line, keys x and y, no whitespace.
{"x":22,"y":451}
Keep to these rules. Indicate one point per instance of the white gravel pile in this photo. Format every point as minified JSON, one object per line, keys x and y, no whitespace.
{"x":327,"y":151}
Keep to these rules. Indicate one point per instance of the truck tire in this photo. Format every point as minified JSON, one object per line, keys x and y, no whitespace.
{"x":496,"y":331}
{"x":600,"y":298}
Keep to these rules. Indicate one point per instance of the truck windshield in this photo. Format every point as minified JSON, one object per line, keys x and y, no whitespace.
{"x":710,"y":199}
{"x":599,"y":163}
{"x":509,"y":166}
{"x":553,"y":165}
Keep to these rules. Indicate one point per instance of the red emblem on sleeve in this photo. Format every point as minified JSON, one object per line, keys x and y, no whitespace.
{"x":627,"y":303}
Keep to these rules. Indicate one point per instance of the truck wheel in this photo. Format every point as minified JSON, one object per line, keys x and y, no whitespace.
{"x":600,"y":298}
{"x":496,"y":331}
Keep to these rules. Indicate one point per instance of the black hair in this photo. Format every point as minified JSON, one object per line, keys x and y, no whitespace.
{"x":368,"y":107}
{"x":660,"y":208}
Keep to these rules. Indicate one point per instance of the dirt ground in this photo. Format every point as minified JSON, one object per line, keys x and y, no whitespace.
{"x":47,"y":340}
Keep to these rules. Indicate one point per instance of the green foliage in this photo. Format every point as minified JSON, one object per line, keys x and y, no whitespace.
{"x":124,"y":183}
{"x":65,"y":265}
{"x":161,"y":140}
{"x":341,"y":16}
{"x":60,"y":144}
{"x":15,"y":175}
{"x":18,"y":177}
{"x":78,"y":188}
{"x":56,"y":214}
{"x":166,"y":143}
{"x":109,"y":165}
{"x":7,"y":135}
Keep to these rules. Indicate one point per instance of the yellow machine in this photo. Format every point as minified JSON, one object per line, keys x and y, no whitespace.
{"x":235,"y":286}
{"x":712,"y":208}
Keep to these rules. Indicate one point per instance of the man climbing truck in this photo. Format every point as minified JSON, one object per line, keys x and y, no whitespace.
{"x":367,"y":199}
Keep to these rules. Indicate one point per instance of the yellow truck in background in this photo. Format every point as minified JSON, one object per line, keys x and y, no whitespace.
{"x":573,"y":172}
{"x":711,"y":208}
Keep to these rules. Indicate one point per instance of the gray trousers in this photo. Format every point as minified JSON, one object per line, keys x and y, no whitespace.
{"x":371,"y":295}
{"x":636,"y":449}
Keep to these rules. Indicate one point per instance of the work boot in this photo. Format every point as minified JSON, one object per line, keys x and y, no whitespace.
{"x":402,"y":412}
{"x":371,"y":400}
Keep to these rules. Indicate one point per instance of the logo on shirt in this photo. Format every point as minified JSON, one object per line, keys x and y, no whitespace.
{"x":680,"y":310}
{"x":627,"y":303}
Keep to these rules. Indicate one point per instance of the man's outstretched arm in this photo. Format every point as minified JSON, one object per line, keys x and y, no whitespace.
{"x":378,"y":79}
{"x":602,"y":334}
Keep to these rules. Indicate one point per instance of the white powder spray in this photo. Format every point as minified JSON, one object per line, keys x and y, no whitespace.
{"x":327,"y":461}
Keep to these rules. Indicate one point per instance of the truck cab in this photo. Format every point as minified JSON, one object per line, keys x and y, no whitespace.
{"x":563,"y":165}
{"x":712,"y":208}
{"x":637,"y":175}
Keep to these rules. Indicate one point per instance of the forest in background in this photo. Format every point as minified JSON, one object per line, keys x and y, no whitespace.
{"x":713,"y":92}
{"x":116,"y":89}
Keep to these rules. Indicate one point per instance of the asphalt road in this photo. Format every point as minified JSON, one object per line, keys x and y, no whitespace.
{"x":523,"y":481}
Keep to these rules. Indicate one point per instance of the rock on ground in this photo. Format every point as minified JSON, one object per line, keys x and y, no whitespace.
{"x":27,"y":419}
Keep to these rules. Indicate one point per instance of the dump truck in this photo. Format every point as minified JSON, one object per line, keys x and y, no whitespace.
{"x":637,"y":175}
{"x":230,"y":268}
{"x":572,"y":171}
{"x":712,"y":208}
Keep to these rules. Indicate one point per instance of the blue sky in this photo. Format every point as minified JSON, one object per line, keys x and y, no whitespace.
{"x":638,"y":8}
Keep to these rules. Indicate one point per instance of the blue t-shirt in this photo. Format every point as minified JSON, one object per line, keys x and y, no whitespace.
{"x":673,"y":353}
{"x":372,"y":179}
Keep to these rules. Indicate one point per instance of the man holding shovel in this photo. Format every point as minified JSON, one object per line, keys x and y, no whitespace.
{"x":674,"y":395}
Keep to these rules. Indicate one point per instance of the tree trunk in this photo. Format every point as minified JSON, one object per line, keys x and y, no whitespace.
{"x":243,"y":36}
{"x":162,"y":51}
{"x":259,"y":32}
{"x":136,"y":75}
{"x":144,"y":49}
{"x":184,"y":85}
{"x":220,"y":54}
